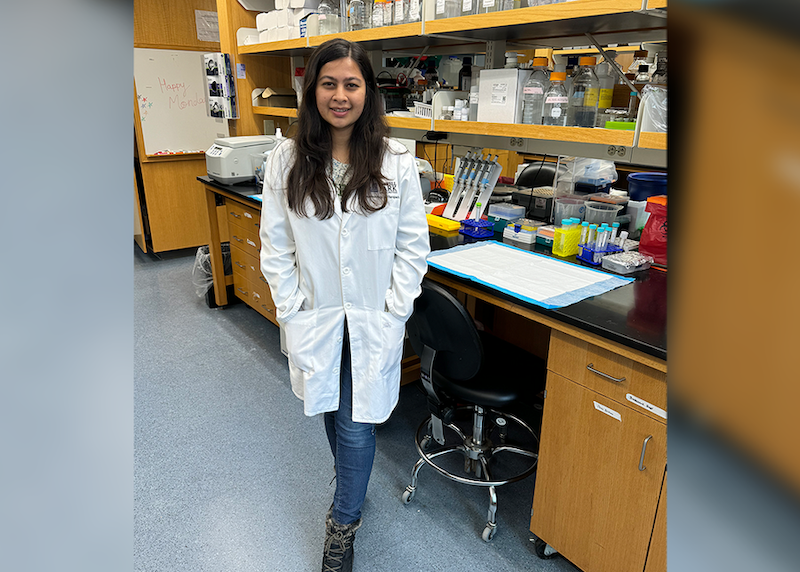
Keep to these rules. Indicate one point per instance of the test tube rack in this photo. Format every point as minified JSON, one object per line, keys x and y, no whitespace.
{"x":595,"y":256}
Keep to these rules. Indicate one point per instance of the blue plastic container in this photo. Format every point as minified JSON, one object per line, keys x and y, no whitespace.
{"x":644,"y":185}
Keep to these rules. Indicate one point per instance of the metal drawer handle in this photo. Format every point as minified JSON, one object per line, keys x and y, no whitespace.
{"x":238,"y":264}
{"x":237,"y":238}
{"x":644,"y":449}
{"x":590,"y":367}
{"x":236,"y":215}
{"x":242,"y":291}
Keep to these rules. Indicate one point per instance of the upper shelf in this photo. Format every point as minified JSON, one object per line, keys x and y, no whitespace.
{"x":552,"y":25}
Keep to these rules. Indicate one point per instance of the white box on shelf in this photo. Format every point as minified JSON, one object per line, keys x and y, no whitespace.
{"x":281,"y":4}
{"x":304,"y":4}
{"x":262,"y":21}
{"x":283,"y":34}
{"x":247,"y":36}
{"x":298,"y":14}
{"x":263,"y":37}
{"x":500,"y":99}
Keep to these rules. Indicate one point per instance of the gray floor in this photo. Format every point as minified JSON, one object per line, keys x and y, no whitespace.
{"x":230,"y":475}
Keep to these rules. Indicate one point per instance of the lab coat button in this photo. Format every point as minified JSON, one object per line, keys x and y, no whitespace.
{"x":336,"y":370}
{"x":345,"y":271}
{"x":348,"y":305}
{"x":345,"y":232}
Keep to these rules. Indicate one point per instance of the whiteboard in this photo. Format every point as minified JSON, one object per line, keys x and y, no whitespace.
{"x":171,"y":93}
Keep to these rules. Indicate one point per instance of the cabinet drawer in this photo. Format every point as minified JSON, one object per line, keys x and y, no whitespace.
{"x":245,"y":239}
{"x":633,"y":384}
{"x":241,"y":287}
{"x":262,"y":301}
{"x":243,"y":216}
{"x":240,"y":261}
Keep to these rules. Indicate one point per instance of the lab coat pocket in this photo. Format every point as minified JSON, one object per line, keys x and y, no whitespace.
{"x":393,"y":333}
{"x":301,"y":339}
{"x":382,"y":227}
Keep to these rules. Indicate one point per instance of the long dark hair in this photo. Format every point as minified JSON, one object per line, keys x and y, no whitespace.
{"x":308,"y":177}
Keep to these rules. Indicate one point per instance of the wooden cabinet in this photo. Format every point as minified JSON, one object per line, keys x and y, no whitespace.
{"x":249,"y":284}
{"x":602,"y":457}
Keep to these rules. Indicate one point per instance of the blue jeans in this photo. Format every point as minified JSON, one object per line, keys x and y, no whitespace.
{"x":352,"y":445}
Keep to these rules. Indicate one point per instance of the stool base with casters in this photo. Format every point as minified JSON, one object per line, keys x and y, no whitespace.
{"x":477,"y":453}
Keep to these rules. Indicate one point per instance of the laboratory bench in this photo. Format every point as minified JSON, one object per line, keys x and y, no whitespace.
{"x":600,"y":494}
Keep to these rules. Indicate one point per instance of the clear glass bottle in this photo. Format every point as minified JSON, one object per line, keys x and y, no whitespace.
{"x":328,"y":17}
{"x":659,"y":76}
{"x":643,"y":74}
{"x":388,"y":12}
{"x":584,"y":95}
{"x":414,"y":10}
{"x":468,"y":7}
{"x":633,"y":106}
{"x":358,"y":15}
{"x":606,"y":77}
{"x":486,"y":6}
{"x":555,"y":101}
{"x":508,"y":4}
{"x":447,"y":9}
{"x":533,"y":93}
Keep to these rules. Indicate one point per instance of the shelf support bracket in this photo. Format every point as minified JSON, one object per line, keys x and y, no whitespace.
{"x":495,"y":54}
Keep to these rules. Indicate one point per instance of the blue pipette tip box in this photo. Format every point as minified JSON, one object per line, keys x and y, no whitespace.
{"x":477,"y":228}
{"x":595,"y":257}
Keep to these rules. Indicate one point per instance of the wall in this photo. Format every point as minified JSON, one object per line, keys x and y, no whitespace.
{"x":172,"y":199}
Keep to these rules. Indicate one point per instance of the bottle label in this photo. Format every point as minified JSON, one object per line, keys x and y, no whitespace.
{"x":555,"y":112}
{"x":590,"y":97}
{"x":473,"y":97}
{"x":440,"y":6}
{"x":532,"y":90}
{"x":488,"y":3}
{"x":466,"y":6}
{"x":556,"y":99}
{"x":606,"y":95}
{"x":398,"y":10}
{"x":413,"y":10}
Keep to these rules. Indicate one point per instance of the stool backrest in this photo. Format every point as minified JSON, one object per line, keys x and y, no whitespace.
{"x":440,"y":322}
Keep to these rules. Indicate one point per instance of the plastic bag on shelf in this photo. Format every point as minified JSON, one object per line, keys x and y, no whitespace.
{"x":654,"y":108}
{"x":597,"y":172}
{"x":201,"y":271}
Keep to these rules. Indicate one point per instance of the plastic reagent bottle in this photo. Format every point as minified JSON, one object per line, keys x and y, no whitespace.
{"x":469,"y":7}
{"x":377,"y":14}
{"x":400,"y":11}
{"x":555,"y":101}
{"x":388,"y":12}
{"x":447,"y":9}
{"x":414,"y":7}
{"x":584,"y":95}
{"x":357,"y":16}
{"x":605,"y":75}
{"x":328,"y":17}
{"x":533,"y":93}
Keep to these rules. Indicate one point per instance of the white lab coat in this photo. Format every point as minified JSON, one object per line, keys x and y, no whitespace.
{"x":367,"y":268}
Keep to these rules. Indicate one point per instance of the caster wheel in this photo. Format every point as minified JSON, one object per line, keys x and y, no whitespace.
{"x":544,"y":550}
{"x":488,"y":533}
{"x":408,"y":496}
{"x":425,"y":443}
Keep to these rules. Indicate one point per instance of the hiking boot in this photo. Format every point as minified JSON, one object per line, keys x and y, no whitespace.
{"x":339,"y":538}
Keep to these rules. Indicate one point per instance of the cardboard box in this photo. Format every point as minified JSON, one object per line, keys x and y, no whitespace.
{"x":500,"y":95}
{"x":276,"y":97}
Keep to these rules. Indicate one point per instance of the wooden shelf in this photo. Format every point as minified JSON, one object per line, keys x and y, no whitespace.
{"x":544,"y":132}
{"x":284,"y":47}
{"x":553,"y":25}
{"x":409,"y":123}
{"x":650,"y":140}
{"x":275,"y":111}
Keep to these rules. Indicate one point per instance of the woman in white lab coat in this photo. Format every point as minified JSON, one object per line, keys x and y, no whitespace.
{"x":344,"y":243}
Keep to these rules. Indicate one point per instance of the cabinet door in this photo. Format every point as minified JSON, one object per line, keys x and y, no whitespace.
{"x":592,"y":502}
{"x":657,"y":557}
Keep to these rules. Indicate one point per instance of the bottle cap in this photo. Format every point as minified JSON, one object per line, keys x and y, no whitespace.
{"x":558,"y":76}
{"x":467,"y":61}
{"x":584,"y":223}
{"x":593,"y":226}
{"x":540,"y":61}
{"x":565,"y":221}
{"x":587,"y":61}
{"x":615,"y":224}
